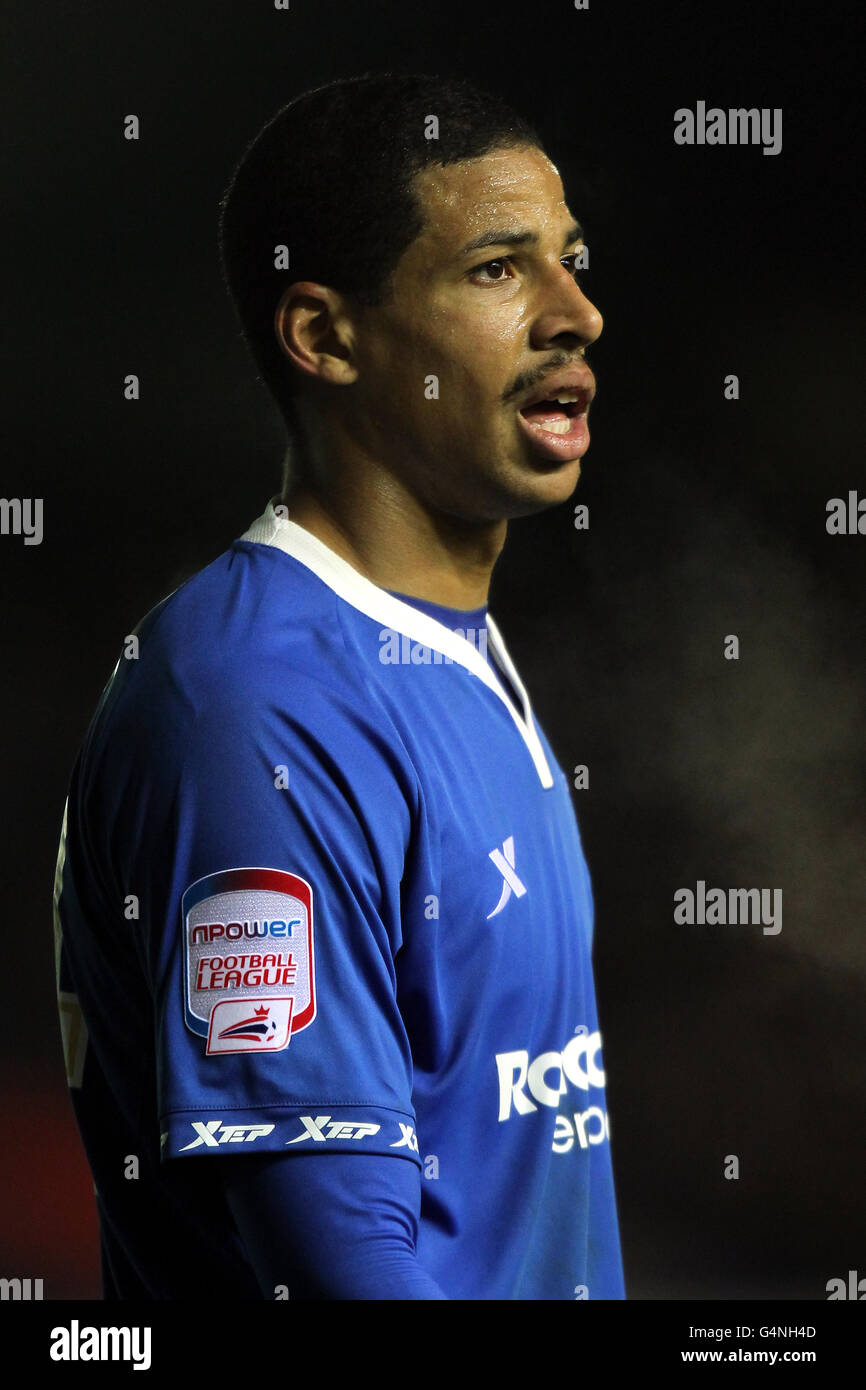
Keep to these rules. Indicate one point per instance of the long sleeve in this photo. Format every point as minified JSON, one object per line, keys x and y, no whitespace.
{"x":337,"y":1226}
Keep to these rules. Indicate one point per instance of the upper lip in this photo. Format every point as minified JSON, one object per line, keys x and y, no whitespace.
{"x":578,"y":379}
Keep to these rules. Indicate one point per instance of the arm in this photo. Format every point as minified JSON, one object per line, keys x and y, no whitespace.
{"x":334,"y":1219}
{"x":331,"y":1226}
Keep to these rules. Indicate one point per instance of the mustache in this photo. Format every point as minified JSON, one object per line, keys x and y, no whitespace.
{"x":528,"y":380}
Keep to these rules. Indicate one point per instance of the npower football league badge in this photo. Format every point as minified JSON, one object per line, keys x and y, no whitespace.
{"x":249,"y":975}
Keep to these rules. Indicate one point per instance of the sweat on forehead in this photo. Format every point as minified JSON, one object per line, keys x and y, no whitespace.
{"x":499,"y":198}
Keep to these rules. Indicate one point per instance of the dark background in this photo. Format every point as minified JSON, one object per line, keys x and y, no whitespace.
{"x":707,"y":517}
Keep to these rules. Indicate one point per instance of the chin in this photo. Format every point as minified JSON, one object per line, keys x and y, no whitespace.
{"x":522,"y":488}
{"x":539,"y":489}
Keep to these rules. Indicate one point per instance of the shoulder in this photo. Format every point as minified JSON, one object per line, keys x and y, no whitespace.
{"x":250,"y":656}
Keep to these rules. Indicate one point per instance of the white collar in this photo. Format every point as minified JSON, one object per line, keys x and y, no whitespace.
{"x":272,"y":528}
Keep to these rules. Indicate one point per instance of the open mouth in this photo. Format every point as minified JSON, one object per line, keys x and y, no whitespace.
{"x":557,"y":426}
{"x":556,"y":416}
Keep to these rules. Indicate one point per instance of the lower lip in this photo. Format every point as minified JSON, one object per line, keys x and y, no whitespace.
{"x":560,"y":447}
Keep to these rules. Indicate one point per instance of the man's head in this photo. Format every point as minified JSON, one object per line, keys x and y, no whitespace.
{"x":429,"y":293}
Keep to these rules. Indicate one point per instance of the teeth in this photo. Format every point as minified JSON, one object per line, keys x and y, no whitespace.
{"x":557,"y":426}
{"x":567,"y":396}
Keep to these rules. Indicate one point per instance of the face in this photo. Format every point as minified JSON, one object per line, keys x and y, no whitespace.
{"x":485,"y":301}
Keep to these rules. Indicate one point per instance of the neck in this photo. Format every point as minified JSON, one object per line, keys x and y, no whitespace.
{"x":396,"y":541}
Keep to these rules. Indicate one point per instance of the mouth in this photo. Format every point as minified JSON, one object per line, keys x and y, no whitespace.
{"x":556,"y":422}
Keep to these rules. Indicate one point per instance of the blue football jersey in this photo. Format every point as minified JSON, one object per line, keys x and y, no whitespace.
{"x":320,"y":888}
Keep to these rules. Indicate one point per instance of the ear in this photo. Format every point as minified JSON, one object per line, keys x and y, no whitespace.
{"x":316,"y":332}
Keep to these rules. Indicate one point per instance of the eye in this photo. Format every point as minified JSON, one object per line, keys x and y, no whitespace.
{"x":492,"y":268}
{"x":571,"y":265}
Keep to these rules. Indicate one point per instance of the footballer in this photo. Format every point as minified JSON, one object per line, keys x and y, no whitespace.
{"x":323,"y":919}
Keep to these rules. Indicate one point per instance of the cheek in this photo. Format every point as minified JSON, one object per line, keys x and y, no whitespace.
{"x":462,"y":357}
{"x":393,"y":371}
{"x":489,"y":336}
{"x":438,"y":363}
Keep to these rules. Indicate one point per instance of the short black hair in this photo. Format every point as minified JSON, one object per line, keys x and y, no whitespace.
{"x":330,"y":178}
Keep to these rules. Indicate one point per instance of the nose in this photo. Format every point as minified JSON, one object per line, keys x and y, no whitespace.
{"x":564,"y":316}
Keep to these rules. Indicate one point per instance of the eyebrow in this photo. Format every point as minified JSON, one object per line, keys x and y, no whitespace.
{"x":511,"y":237}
